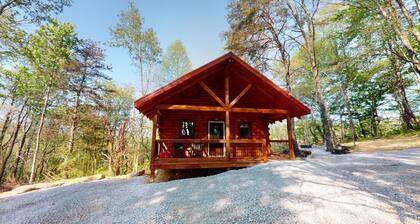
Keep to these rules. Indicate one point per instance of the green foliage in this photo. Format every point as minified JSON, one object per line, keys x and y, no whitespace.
{"x":20,"y":83}
{"x":31,"y":11}
{"x":89,"y":157}
{"x":257,"y":32}
{"x":117,"y":103}
{"x":175,"y":62}
{"x":49,"y":50}
{"x":142,"y":44}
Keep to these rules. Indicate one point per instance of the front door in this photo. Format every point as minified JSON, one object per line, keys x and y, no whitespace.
{"x":216,"y":130}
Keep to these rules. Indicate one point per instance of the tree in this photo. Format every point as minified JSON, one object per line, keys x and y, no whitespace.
{"x":20,"y":90}
{"x":49,"y":50}
{"x":175,"y":62}
{"x":392,"y":17}
{"x":142,"y":44}
{"x":85,"y":83}
{"x":14,"y":13}
{"x":32,"y":11}
{"x":18,"y":83}
{"x":258,"y":32}
{"x":116,"y":106}
{"x":399,"y":87}
{"x":380,"y":39}
{"x":303,"y":15}
{"x":143,"y":47}
{"x":399,"y":22}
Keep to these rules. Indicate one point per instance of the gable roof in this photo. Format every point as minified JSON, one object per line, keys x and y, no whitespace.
{"x":147,"y":103}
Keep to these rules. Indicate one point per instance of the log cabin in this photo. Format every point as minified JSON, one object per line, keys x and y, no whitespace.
{"x":217,"y":116}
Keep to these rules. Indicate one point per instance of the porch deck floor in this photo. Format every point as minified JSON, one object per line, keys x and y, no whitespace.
{"x":203,"y":163}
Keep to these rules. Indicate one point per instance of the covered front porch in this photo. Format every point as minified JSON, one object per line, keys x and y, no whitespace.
{"x":212,"y":152}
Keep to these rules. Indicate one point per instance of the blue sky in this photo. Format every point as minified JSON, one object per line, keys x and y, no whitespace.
{"x":198,"y":24}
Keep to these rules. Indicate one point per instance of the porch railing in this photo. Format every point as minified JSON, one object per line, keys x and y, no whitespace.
{"x":278,"y":146}
{"x":210,"y":148}
{"x":190,"y":148}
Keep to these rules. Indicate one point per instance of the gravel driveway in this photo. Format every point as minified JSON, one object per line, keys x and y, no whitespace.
{"x":356,"y":188}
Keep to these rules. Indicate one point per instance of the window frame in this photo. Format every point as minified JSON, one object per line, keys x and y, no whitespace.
{"x":181,"y":128}
{"x":249,"y":129}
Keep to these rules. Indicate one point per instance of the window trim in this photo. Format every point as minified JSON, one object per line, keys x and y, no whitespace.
{"x":193,"y":129}
{"x":249,"y":129}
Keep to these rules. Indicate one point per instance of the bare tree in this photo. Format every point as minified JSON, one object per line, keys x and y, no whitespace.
{"x":303,"y":14}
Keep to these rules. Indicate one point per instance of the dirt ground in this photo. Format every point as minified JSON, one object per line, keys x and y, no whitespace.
{"x":392,"y":143}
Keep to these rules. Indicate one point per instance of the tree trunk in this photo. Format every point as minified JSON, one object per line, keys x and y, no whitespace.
{"x":6,"y":124}
{"x":417,"y":5}
{"x":349,"y":113}
{"x":330,"y":122}
{"x":362,"y":128}
{"x":28,"y":146}
{"x":407,"y":114}
{"x":42,"y":162}
{"x":409,"y":18}
{"x":121,"y":149}
{"x":19,"y":152}
{"x":141,"y":144}
{"x":395,"y":23}
{"x":292,"y":121}
{"x":110,"y":145}
{"x":342,"y":133}
{"x":38,"y":135}
{"x":72,"y":130}
{"x":374,"y":118}
{"x":13,"y":140}
{"x":329,"y":143}
{"x":305,"y":24}
{"x":73,"y":125}
{"x":305,"y":132}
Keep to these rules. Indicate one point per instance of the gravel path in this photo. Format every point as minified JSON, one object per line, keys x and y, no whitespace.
{"x":356,"y":188}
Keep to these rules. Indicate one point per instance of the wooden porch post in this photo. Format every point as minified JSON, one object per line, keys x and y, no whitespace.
{"x":227,"y":107}
{"x":152,"y":154}
{"x":290,"y":138}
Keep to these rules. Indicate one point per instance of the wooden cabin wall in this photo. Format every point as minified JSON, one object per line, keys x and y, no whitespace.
{"x":170,"y":124}
{"x":170,"y":121}
{"x":170,"y":128}
{"x":259,"y":130}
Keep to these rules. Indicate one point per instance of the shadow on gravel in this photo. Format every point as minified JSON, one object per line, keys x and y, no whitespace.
{"x":359,"y":188}
{"x":169,"y":175}
{"x":385,"y":176}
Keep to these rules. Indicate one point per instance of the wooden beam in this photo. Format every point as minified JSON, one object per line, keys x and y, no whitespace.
{"x":208,"y":90}
{"x":227,"y":135}
{"x":259,"y":110}
{"x":240,"y":95}
{"x":189,"y":107}
{"x":184,"y":140}
{"x":232,"y":141}
{"x":227,"y":119}
{"x":290,"y":138}
{"x":153,"y":153}
{"x":227,"y":89}
{"x":220,"y":109}
{"x":279,"y":141}
{"x":265,"y":149}
{"x":166,"y":164}
{"x":245,"y":141}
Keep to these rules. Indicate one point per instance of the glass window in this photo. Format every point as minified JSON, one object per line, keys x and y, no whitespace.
{"x":187,"y":128}
{"x":244,"y":130}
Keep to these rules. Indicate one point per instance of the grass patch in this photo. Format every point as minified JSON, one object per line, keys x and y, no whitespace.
{"x":399,"y":142}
